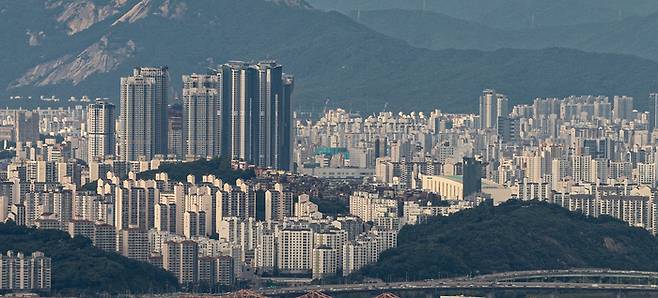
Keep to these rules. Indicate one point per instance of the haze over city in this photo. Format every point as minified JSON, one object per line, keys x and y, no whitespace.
{"x":329,"y":148}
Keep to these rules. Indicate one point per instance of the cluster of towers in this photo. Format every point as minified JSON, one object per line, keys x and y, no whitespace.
{"x":239,"y":111}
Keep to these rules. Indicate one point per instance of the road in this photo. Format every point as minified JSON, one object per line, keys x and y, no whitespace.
{"x":501,"y":281}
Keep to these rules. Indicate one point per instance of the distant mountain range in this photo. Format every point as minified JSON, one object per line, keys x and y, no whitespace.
{"x":76,"y":47}
{"x":515,"y":236}
{"x":509,"y":14}
{"x":634,"y":35}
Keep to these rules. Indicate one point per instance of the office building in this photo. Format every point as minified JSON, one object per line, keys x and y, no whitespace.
{"x":472,"y":179}
{"x":26,"y":126}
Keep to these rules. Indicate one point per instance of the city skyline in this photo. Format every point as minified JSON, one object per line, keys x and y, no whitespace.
{"x":319,"y":148}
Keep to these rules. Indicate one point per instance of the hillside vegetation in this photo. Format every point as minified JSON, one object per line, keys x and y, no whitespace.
{"x":219,"y":167}
{"x":515,"y":236}
{"x":80,"y":269}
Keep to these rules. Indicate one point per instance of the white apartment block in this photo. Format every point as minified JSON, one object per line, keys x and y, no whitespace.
{"x":23,"y":273}
{"x":369,"y":206}
{"x":295,"y":250}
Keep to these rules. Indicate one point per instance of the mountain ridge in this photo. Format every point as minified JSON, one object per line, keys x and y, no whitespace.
{"x":509,"y":14}
{"x":331,"y":56}
{"x":631,"y":36}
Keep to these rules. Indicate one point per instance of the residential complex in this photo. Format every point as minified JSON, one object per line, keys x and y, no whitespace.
{"x":585,"y":153}
{"x":19,"y":272}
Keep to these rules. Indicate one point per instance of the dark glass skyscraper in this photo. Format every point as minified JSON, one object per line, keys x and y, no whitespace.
{"x":256,"y":113}
{"x":472,"y":169}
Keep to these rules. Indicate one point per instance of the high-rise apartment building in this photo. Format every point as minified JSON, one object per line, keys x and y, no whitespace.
{"x":137,"y":121}
{"x":23,"y":273}
{"x":283,"y":155}
{"x":266,"y":124}
{"x":101,"y":139}
{"x":176,"y":142}
{"x":134,"y":206}
{"x":217,"y":270}
{"x":256,"y":114}
{"x":160,"y":76}
{"x":492,"y":106}
{"x":325,"y":262}
{"x":181,"y":259}
{"x":105,"y":237}
{"x":239,"y":92}
{"x":278,"y":203}
{"x":202,"y":115}
{"x":622,"y":107}
{"x":372,"y":205}
{"x":133,"y":243}
{"x":295,"y":250}
{"x":359,"y":253}
{"x":502,"y":107}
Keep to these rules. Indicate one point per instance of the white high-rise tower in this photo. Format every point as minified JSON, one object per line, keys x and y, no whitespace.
{"x":137,"y":122}
{"x":201,"y":115}
{"x":101,"y":139}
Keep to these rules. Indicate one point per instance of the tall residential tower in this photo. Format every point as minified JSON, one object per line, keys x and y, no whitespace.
{"x":137,"y":123}
{"x":101,"y":140}
{"x":160,"y":75}
{"x":201,"y":116}
{"x":492,"y":106}
{"x":256,"y":113}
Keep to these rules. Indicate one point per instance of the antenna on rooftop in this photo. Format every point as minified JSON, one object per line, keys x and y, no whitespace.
{"x":326,"y":103}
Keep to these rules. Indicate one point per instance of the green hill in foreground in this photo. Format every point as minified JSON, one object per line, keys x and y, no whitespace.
{"x":79,"y":269}
{"x":515,"y":236}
